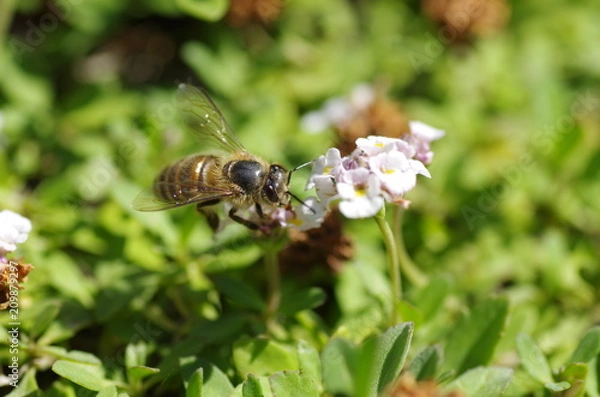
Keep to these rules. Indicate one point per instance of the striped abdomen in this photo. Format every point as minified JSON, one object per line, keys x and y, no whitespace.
{"x":188,"y":178}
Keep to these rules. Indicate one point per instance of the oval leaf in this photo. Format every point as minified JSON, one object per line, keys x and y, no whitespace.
{"x":309,"y":361}
{"x":382,"y":359}
{"x":482,"y":382}
{"x":588,"y":348}
{"x":252,"y":387}
{"x":533,"y":359}
{"x":338,"y":359}
{"x":427,"y":363}
{"x":293,"y":383}
{"x":263,"y":357}
{"x":86,"y":375}
{"x":213,"y":381}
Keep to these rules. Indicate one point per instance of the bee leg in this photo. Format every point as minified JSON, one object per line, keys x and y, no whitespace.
{"x":211,"y":216}
{"x":259,"y":211}
{"x":242,"y":221}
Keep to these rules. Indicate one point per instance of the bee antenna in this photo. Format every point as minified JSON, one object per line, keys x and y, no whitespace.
{"x":311,"y":209}
{"x":296,"y":169}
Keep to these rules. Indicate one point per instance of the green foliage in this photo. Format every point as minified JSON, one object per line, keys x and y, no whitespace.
{"x":124,"y":303}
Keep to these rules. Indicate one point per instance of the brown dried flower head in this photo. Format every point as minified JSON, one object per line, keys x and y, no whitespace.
{"x":12,"y":274}
{"x":245,"y":12}
{"x":382,"y":117}
{"x":324,"y":245}
{"x":465,"y":18}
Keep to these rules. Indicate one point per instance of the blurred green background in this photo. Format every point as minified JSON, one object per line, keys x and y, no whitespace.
{"x":87,"y":119}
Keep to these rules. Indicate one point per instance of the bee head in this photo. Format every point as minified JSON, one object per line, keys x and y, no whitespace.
{"x":276,"y":185}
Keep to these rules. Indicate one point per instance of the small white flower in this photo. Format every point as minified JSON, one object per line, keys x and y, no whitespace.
{"x":304,"y":216}
{"x":425,"y":131}
{"x":373,"y":145}
{"x":309,"y":215}
{"x":360,"y":194}
{"x":322,"y":177}
{"x":14,"y":229}
{"x":420,"y":137}
{"x":397,"y":173}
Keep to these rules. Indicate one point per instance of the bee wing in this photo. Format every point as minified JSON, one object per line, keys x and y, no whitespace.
{"x":202,"y":117}
{"x":149,"y":200}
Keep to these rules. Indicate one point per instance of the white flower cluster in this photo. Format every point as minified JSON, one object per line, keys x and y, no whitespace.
{"x":380,"y":170}
{"x":14,"y":229}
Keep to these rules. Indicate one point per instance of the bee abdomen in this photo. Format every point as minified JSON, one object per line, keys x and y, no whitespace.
{"x":182,"y":180}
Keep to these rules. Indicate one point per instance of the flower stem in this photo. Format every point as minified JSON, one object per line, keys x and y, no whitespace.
{"x":412,"y":272}
{"x":273,"y":276}
{"x":393,"y":263}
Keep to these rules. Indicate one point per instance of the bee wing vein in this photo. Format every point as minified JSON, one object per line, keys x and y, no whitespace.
{"x":205,"y":120}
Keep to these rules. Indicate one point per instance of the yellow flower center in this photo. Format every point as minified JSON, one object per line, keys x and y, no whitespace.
{"x":361,"y":191}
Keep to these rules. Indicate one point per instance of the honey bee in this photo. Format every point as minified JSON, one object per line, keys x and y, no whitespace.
{"x":233,"y":176}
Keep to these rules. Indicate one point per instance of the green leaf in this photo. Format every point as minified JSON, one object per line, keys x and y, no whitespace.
{"x":214,"y":381}
{"x":592,"y":385}
{"x":252,"y":387}
{"x":82,"y":357}
{"x":240,"y":293}
{"x":427,"y":363}
{"x":139,"y":372}
{"x":86,"y":375}
{"x":108,"y":391}
{"x":364,"y":374}
{"x":575,"y":374}
{"x":194,"y":384}
{"x":293,"y":383}
{"x":296,"y":301}
{"x":588,"y":348}
{"x":309,"y":361}
{"x":533,"y":359}
{"x":382,"y":359}
{"x":338,"y":359}
{"x":208,"y":10}
{"x":136,"y":354}
{"x":482,"y":382}
{"x":391,"y":352}
{"x":557,"y":387}
{"x":474,"y":339}
{"x":263,"y":357}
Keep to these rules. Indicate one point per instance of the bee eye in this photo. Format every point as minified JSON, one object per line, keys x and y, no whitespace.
{"x":271,"y":193}
{"x":275,"y":185}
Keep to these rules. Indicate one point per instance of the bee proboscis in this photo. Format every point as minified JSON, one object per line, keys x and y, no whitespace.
{"x":233,"y":176}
